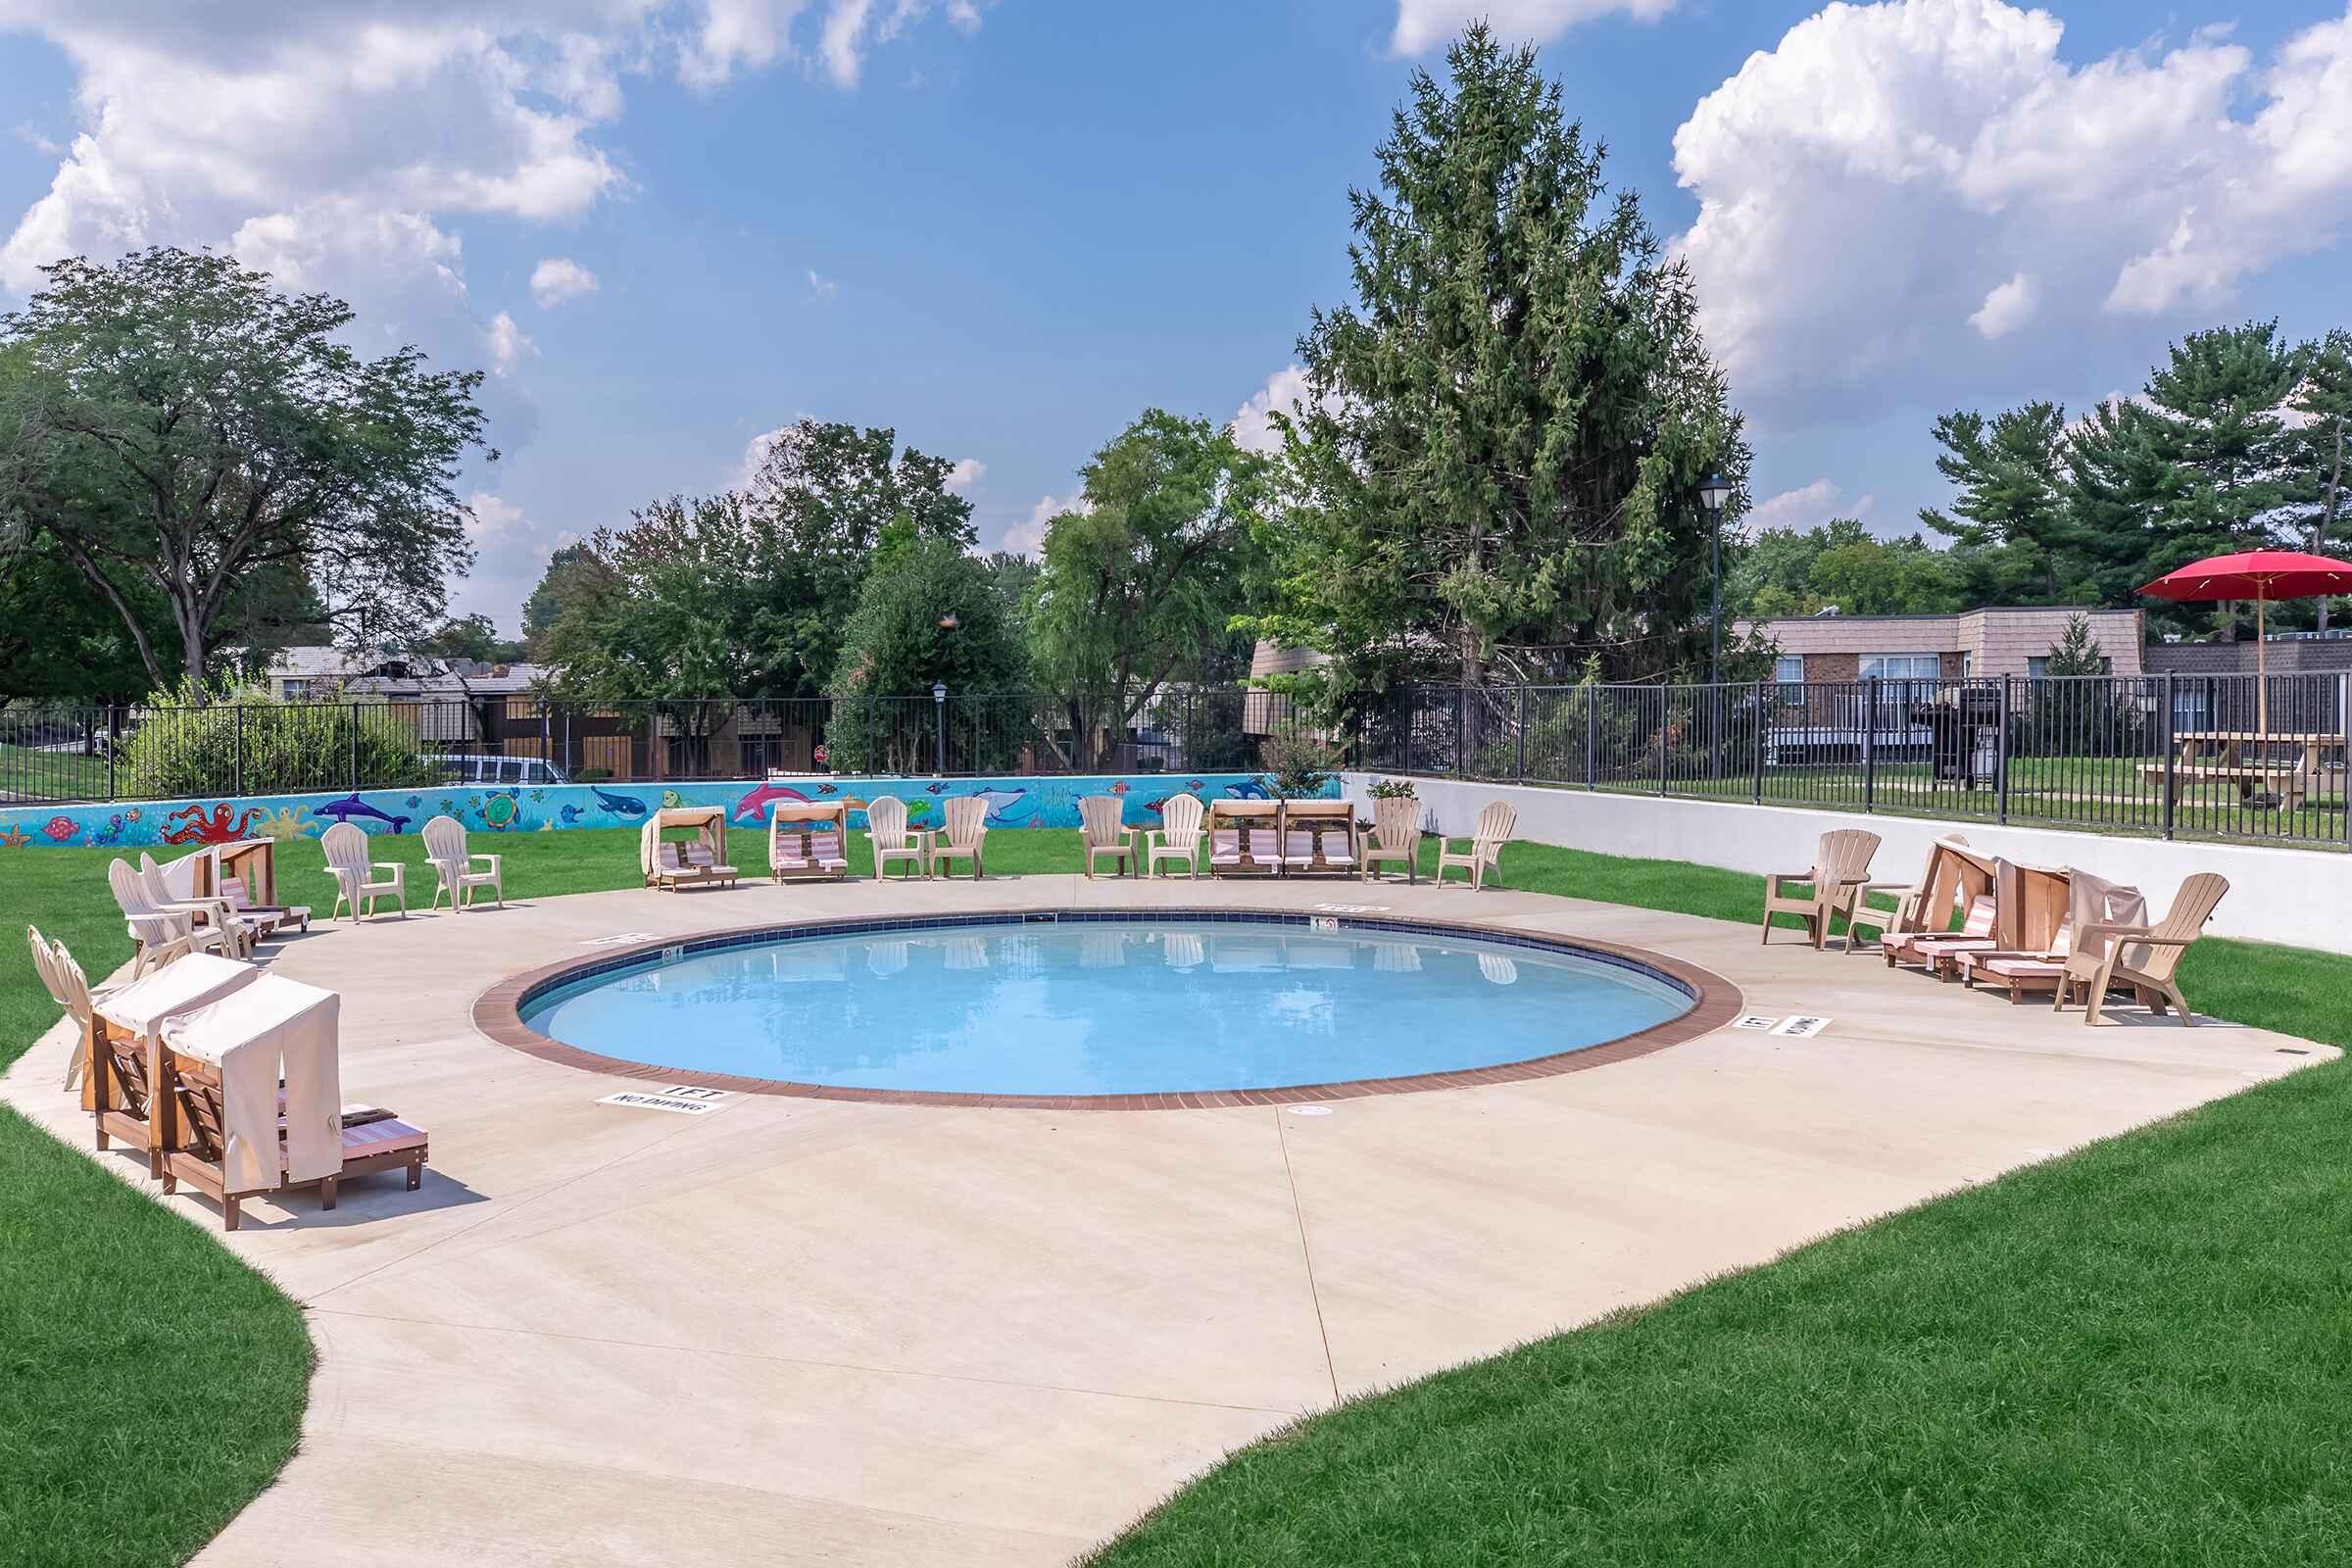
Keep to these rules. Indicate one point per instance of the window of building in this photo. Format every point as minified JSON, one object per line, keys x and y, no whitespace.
{"x":1789,"y":671}
{"x":297,"y":691}
{"x":1902,"y":667}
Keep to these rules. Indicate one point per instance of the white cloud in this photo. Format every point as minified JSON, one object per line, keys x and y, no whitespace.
{"x":559,"y":279}
{"x":840,"y":43}
{"x":509,"y":347}
{"x":1028,"y":536}
{"x":494,"y":518}
{"x":1423,"y":24}
{"x":32,"y":137}
{"x":2005,"y":309}
{"x":1286,"y":392}
{"x":1865,"y":182}
{"x":822,"y":288}
{"x":1806,"y":507}
{"x":965,"y":475}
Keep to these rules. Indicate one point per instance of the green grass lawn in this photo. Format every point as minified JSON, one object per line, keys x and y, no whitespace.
{"x":2134,"y":1353}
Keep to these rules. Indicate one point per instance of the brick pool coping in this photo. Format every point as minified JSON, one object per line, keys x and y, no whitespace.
{"x":1715,"y":1002}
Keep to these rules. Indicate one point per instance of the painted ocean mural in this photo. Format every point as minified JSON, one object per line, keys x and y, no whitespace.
{"x":1012,"y":802}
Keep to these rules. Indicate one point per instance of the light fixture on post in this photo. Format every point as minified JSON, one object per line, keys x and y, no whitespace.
{"x":939,"y":729}
{"x":1714,"y":494}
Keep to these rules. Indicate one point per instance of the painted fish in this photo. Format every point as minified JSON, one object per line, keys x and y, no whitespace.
{"x":828,"y":789}
{"x":753,"y":807}
{"x":60,"y":828}
{"x":570,"y":814}
{"x":1120,"y":788}
{"x":351,"y":806}
{"x":935,"y":789}
{"x":618,"y":805}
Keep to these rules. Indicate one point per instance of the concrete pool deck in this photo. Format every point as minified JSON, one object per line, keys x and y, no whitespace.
{"x":817,"y":1330}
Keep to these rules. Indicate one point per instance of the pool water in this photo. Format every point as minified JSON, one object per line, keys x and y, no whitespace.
{"x":1103,"y":1007}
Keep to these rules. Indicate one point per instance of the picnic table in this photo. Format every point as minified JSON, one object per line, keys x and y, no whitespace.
{"x":2290,"y":782}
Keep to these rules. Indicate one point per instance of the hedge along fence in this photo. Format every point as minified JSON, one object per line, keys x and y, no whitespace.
{"x":250,"y":745}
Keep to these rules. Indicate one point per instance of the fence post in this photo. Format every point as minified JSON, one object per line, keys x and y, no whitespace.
{"x":1592,"y":739}
{"x":2000,"y":753}
{"x":2172,"y":756}
{"x":355,"y":748}
{"x":1665,"y":713}
{"x":236,"y":764}
{"x":1462,"y":701}
{"x":1521,"y":774}
{"x":1766,"y":696}
{"x":1408,"y":728}
{"x":114,"y":744}
{"x":1870,"y":744}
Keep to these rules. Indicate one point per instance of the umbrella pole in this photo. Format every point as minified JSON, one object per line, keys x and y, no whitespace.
{"x":2262,"y":674}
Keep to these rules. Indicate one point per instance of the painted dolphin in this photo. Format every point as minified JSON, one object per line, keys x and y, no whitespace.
{"x":570,"y":814}
{"x":618,"y":804}
{"x":1249,"y":789}
{"x":753,"y":807}
{"x":351,"y":806}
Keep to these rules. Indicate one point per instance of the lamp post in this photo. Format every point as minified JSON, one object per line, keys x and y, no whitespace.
{"x":1714,"y":492}
{"x":939,"y":729}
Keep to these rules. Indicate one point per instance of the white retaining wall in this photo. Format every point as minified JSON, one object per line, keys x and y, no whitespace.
{"x":2302,"y":897}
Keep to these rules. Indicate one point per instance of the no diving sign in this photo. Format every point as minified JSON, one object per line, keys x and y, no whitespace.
{"x":679,"y":1100}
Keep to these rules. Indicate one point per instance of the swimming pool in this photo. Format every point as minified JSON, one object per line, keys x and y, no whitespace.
{"x":1098,"y":1004}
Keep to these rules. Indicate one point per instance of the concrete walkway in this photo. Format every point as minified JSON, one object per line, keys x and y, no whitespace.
{"x":813,"y":1332}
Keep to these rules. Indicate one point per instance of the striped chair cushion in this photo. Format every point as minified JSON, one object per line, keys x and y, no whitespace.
{"x":391,"y":1137}
{"x":824,"y":852}
{"x":1225,"y":847}
{"x":2024,"y":969}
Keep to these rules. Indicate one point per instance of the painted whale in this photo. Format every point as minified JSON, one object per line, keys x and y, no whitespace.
{"x":753,"y":807}
{"x":351,"y":806}
{"x":618,"y":805}
{"x":1249,"y":789}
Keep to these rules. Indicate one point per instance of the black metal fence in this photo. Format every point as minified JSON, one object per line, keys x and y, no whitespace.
{"x":2207,"y":755}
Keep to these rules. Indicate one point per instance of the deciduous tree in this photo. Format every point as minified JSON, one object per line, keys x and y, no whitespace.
{"x":187,"y":430}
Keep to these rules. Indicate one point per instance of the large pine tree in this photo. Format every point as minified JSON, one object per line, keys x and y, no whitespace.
{"x":1510,"y":424}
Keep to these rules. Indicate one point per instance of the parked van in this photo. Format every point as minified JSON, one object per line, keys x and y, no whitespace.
{"x":498,"y":770}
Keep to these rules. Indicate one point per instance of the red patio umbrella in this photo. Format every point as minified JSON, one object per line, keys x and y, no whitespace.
{"x":2260,"y":576}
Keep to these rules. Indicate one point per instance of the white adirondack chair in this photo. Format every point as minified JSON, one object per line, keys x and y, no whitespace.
{"x":158,"y":935}
{"x":1177,"y":839}
{"x":1395,"y":837}
{"x":967,"y":829}
{"x":243,"y":931}
{"x":1496,"y":824}
{"x":886,"y":831}
{"x":463,"y":874}
{"x":356,"y":875}
{"x":1102,"y":829}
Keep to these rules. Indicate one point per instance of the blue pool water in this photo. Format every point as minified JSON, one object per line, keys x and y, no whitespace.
{"x":1103,"y":1007}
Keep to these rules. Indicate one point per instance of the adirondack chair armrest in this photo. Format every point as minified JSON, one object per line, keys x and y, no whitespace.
{"x":342,"y":873}
{"x":393,"y":866}
{"x":491,"y":861}
{"x":2128,"y":933}
{"x":2142,"y":940}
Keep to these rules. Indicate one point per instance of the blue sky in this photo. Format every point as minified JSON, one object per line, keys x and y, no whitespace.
{"x":1006,"y":229}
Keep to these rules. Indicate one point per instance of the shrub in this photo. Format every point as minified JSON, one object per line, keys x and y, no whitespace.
{"x":1300,"y":765}
{"x":246,"y":743}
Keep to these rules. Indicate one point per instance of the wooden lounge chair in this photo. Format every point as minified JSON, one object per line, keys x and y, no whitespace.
{"x":281,"y":916}
{"x":886,"y":829}
{"x":1484,"y":854}
{"x":1244,"y":838}
{"x":358,"y":878}
{"x":1832,"y":886}
{"x":1395,"y":837}
{"x":158,"y":936}
{"x":1318,"y":838}
{"x":809,"y":841}
{"x":2145,"y":958}
{"x":1103,"y":830}
{"x":1177,"y":839}
{"x":1939,"y":888}
{"x":967,"y":829}
{"x":1935,"y":952}
{"x":192,"y":1122}
{"x":463,"y":874}
{"x":2017,"y":972}
{"x":701,"y":861}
